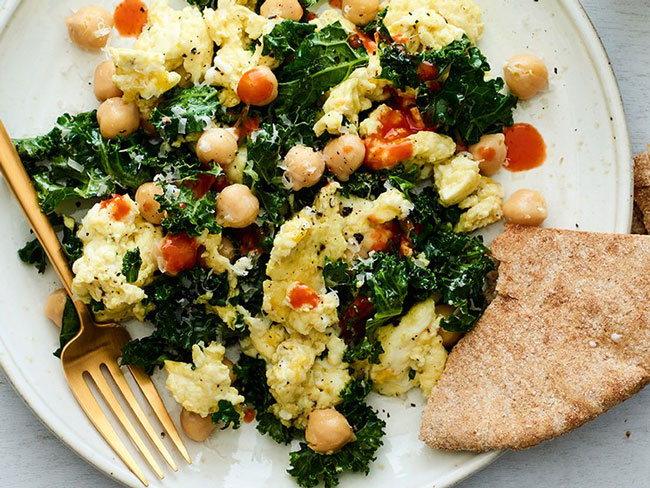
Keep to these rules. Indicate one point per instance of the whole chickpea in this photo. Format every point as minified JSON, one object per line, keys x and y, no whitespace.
{"x":218,"y":145}
{"x":149,"y":207}
{"x":525,"y":75}
{"x":258,"y":86}
{"x":490,"y":152}
{"x":117,"y":118}
{"x":449,"y":338}
{"x":525,"y":207}
{"x":90,"y":27}
{"x":305,"y":166}
{"x":196,"y":427}
{"x":344,"y":155}
{"x":284,"y":9}
{"x":360,"y":12}
{"x":54,"y":306}
{"x":237,"y":207}
{"x":328,"y":431}
{"x":227,"y":248}
{"x":103,"y":85}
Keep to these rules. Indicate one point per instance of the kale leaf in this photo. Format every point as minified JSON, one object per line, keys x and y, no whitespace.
{"x":181,"y":318}
{"x":310,"y":468}
{"x":202,"y":4}
{"x":70,"y":325}
{"x":186,"y":111}
{"x":74,"y":161}
{"x":226,"y":415}
{"x":72,"y":245}
{"x":33,"y":253}
{"x":460,"y":101}
{"x":131,"y":263}
{"x":368,"y":349}
{"x":186,"y":214}
{"x":285,"y":38}
{"x":251,"y":383}
{"x":369,"y":184}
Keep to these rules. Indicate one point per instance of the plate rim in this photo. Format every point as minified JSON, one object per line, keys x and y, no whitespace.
{"x":614,"y":101}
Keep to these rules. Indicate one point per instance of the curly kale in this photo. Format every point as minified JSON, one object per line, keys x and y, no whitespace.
{"x":131,"y":263}
{"x":70,"y":325}
{"x":181,"y":318}
{"x":226,"y":416}
{"x":369,"y":184}
{"x":33,"y":253}
{"x":283,"y":41}
{"x":310,"y":468}
{"x":187,"y":214}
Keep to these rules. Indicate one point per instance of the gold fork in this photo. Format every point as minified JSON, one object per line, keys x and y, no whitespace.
{"x":94,"y":351}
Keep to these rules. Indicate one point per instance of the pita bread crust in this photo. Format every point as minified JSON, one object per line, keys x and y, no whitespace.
{"x":642,"y":186}
{"x":567,"y":338}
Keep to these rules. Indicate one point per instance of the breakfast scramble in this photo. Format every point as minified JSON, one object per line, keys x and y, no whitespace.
{"x":287,"y":194}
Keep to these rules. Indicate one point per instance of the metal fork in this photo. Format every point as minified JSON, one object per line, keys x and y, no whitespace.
{"x":94,"y":351}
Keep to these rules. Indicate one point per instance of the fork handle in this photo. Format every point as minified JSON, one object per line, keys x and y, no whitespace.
{"x":21,"y":186}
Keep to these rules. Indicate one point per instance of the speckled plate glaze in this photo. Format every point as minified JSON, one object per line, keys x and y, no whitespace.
{"x":587,"y":181}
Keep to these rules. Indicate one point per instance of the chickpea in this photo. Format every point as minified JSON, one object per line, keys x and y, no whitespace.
{"x":328,"y":431}
{"x":196,"y":427}
{"x":149,"y":207}
{"x":305,"y":166}
{"x":525,"y":207}
{"x":90,"y":26}
{"x":54,"y":306}
{"x":237,"y":207}
{"x":525,"y":75}
{"x":218,"y":145}
{"x":449,"y":338}
{"x":284,"y":9}
{"x":117,"y":118}
{"x":227,"y":248}
{"x":258,"y":86}
{"x":103,"y":85}
{"x":490,"y":152}
{"x":344,"y":155}
{"x":360,"y":12}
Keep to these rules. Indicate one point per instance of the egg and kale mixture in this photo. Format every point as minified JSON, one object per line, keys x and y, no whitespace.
{"x":344,"y":279}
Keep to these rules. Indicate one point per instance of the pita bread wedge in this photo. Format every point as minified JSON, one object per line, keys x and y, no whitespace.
{"x":642,"y":186}
{"x":566,"y":338}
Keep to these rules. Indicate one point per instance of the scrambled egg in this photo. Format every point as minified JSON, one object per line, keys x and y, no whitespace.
{"x":350,"y":97}
{"x":484,"y":206}
{"x":413,"y":352}
{"x":198,"y":387}
{"x":330,"y":16}
{"x":432,"y":23}
{"x":303,"y":242}
{"x":233,"y":27}
{"x":172,"y":40}
{"x":98,"y":273}
{"x":456,"y":179}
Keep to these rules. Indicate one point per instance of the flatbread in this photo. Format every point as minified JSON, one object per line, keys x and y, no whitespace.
{"x":642,"y":186}
{"x":566,"y":338}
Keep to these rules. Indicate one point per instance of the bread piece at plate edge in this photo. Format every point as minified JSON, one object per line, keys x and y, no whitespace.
{"x":566,"y":338}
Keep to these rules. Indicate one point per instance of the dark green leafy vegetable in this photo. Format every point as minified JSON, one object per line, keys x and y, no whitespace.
{"x":226,"y":416}
{"x":187,"y":214}
{"x":310,"y":468}
{"x":72,"y":245}
{"x":33,"y":253}
{"x":285,"y":38}
{"x":377,"y":26}
{"x":181,"y":319}
{"x":368,"y":349}
{"x":185,"y":111}
{"x":74,"y":161}
{"x":251,"y":383}
{"x":461,"y":102}
{"x":249,"y":286}
{"x":70,"y":325}
{"x":370,"y":184}
{"x":202,"y":4}
{"x":131,"y":263}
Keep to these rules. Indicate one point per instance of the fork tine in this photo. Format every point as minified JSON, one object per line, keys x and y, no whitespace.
{"x":120,"y":380}
{"x":151,"y":394}
{"x":95,"y":414}
{"x":109,"y":397}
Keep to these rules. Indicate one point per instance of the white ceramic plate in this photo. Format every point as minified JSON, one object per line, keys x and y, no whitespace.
{"x":587,"y":181}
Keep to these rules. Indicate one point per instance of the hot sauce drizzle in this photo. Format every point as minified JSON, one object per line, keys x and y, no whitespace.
{"x":303,"y":296}
{"x":130,"y":17}
{"x":178,"y":252}
{"x":117,"y":206}
{"x":526,"y":147}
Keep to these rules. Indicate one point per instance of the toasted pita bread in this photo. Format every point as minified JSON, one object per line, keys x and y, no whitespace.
{"x":642,"y":186}
{"x":566,"y":338}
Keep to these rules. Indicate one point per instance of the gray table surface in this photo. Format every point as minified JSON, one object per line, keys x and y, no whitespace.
{"x":612,"y":451}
